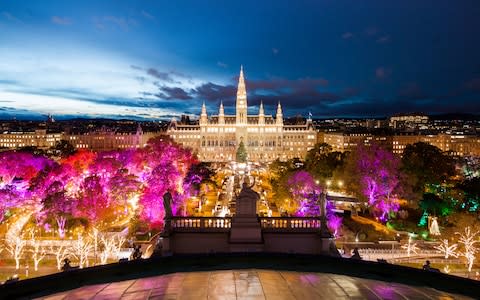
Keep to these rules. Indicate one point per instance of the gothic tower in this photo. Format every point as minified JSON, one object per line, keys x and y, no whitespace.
{"x":241,"y":107}
{"x":261,"y":114}
{"x":203,"y":115}
{"x":279,"y":117}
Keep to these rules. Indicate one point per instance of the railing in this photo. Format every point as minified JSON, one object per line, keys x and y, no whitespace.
{"x":275,"y":224}
{"x":201,"y":223}
{"x":396,"y":254}
{"x":290,"y":224}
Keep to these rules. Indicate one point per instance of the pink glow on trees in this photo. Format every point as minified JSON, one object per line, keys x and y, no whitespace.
{"x":93,"y":201}
{"x":16,"y":171}
{"x":376,"y":170}
{"x":59,"y":205}
{"x":99,"y":186}
{"x":305,"y":193}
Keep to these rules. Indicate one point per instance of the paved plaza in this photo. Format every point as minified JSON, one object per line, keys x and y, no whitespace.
{"x":252,"y":284}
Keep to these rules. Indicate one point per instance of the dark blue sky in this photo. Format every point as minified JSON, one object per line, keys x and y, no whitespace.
{"x":150,"y":59}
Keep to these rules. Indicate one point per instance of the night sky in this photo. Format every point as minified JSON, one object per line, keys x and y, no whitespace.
{"x":158,"y":59}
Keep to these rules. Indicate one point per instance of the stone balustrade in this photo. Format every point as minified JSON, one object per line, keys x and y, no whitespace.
{"x":290,"y":224}
{"x":271,"y":224}
{"x":201,"y":223}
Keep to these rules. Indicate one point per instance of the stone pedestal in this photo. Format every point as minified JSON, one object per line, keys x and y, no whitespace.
{"x":246,"y":230}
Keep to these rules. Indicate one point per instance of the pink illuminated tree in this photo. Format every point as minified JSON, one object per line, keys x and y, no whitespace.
{"x":17,"y":169}
{"x":305,"y":193}
{"x":373,"y":174}
{"x":93,"y":202}
{"x":58,"y":205}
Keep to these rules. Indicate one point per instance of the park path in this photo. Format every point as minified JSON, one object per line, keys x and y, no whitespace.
{"x":378,"y":226}
{"x":15,"y":229}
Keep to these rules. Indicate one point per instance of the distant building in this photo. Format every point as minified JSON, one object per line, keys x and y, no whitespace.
{"x":101,"y":140}
{"x":39,"y":138}
{"x":342,"y":141}
{"x":406,"y":121}
{"x":265,"y":137}
{"x":106,"y":140}
{"x":454,"y":144}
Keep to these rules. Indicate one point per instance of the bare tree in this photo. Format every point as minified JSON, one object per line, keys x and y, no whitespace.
{"x":468,"y":239}
{"x":81,"y":250}
{"x":16,"y":247}
{"x":38,"y":252}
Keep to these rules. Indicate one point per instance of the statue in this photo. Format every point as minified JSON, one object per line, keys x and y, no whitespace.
{"x":167,"y":205}
{"x":247,"y":200}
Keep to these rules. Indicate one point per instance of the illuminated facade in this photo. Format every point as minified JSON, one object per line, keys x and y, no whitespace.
{"x":105,"y":140}
{"x":265,"y":137}
{"x":38,"y":138}
{"x":454,"y":144}
{"x":102,"y":140}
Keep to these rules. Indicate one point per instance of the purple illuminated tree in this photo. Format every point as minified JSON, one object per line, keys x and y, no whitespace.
{"x":58,"y":205}
{"x":16,"y":171}
{"x":373,"y":174}
{"x":93,"y":201}
{"x":305,"y":193}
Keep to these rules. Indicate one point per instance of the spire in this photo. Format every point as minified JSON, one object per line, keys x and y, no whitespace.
{"x":261,"y":114}
{"x":221,"y":114}
{"x":203,"y":115}
{"x":241,"y":90}
{"x":260,"y":110}
{"x":279,"y":114}
{"x":221,"y":111}
{"x":241,"y":108}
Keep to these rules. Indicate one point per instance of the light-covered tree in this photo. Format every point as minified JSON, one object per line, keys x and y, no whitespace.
{"x":468,"y":239}
{"x":16,"y":247}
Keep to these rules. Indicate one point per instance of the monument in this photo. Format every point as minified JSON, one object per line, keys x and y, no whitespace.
{"x":246,"y":231}
{"x":246,"y":227}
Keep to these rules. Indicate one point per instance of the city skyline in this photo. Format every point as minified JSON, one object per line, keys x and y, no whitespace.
{"x":143,"y":60}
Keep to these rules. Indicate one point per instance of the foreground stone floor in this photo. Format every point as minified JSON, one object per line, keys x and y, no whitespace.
{"x":252,"y":284}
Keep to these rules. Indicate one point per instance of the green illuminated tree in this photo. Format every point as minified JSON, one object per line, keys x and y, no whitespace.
{"x":241,"y":155}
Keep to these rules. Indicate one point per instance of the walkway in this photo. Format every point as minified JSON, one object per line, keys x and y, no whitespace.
{"x":252,"y":284}
{"x":378,"y":226}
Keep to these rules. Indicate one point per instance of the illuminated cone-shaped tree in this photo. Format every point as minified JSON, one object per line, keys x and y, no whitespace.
{"x":241,"y":155}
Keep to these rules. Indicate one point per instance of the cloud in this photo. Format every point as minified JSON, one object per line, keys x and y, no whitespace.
{"x":165,"y":76}
{"x":105,"y":22}
{"x":280,"y":83}
{"x":351,"y":92}
{"x":214,"y":92}
{"x":347,"y":35}
{"x":222,"y":64}
{"x":275,"y":51}
{"x":412,"y":91}
{"x":170,"y":93}
{"x":136,"y":67}
{"x":383,"y":39}
{"x":61,"y":20}
{"x":473,"y":84}
{"x":10,"y":17}
{"x":382,"y":73}
{"x":147,"y":15}
{"x":371,"y":31}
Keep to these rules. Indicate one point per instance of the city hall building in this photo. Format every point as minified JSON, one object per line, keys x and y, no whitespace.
{"x":266,"y":138}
